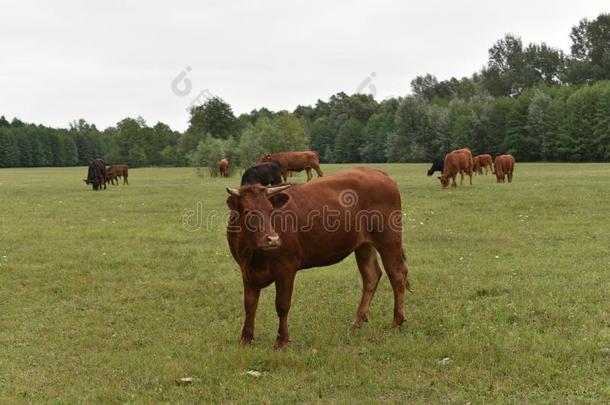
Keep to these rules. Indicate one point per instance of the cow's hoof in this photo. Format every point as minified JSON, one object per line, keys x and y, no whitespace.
{"x":245,"y":341}
{"x":281,"y":344}
{"x":359,"y":321}
{"x":397,"y":323}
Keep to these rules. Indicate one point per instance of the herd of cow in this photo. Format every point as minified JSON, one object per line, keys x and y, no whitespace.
{"x":271,"y":253}
{"x":461,"y":161}
{"x":100,"y":174}
{"x":366,"y":220}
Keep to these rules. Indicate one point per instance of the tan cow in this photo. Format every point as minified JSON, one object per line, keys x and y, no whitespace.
{"x":504,"y":167}
{"x":223,"y":167}
{"x":481,"y":162}
{"x":115,"y":171}
{"x":458,"y":161}
{"x":295,"y":162}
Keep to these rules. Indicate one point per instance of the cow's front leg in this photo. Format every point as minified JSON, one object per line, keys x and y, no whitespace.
{"x":251,"y":295}
{"x":283,"y":297}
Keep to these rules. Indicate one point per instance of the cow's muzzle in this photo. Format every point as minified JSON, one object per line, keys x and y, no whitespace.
{"x":271,"y":242}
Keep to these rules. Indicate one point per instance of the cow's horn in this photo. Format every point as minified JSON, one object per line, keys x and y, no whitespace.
{"x":233,"y":191}
{"x":274,"y":190}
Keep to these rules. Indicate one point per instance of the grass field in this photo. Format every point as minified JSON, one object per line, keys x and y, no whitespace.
{"x":108,"y":297}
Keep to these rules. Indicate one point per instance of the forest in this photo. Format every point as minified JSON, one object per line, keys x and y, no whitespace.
{"x":531,"y":100}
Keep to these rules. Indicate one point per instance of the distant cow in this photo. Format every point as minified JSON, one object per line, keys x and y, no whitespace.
{"x":273,"y":232}
{"x":115,"y":171}
{"x":268,"y":173}
{"x":458,"y":161}
{"x":111,"y":177}
{"x":437,"y":165}
{"x":96,"y":175}
{"x":295,"y":162}
{"x":223,"y":167}
{"x":504,"y":166}
{"x":482,"y":161}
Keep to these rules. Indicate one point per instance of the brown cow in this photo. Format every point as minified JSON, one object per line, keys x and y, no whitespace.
{"x":295,"y":162}
{"x":223,"y":167}
{"x":458,"y":161}
{"x":503,"y":167}
{"x":111,"y":176}
{"x":275,"y":231}
{"x":482,"y":161}
{"x":115,"y":171}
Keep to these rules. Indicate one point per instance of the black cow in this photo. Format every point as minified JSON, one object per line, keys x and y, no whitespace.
{"x":268,"y":173}
{"x":96,"y":175}
{"x":438,"y":164}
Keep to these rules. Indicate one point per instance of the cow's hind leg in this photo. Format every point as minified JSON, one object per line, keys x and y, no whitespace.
{"x":318,"y":170}
{"x":308,"y":170}
{"x":366,"y":257}
{"x":395,"y":266}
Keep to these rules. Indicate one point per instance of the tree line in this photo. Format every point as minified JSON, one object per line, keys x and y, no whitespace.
{"x":532,"y":101}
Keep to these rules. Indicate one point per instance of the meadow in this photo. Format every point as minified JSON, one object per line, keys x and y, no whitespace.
{"x":110,"y":297}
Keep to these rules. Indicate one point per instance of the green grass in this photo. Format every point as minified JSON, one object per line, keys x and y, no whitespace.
{"x":106,"y":297}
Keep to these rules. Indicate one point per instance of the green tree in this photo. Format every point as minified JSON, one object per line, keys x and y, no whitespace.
{"x":9,"y":151}
{"x":214,"y":117}
{"x":349,"y":141}
{"x":590,"y":51}
{"x":322,"y":137}
{"x":137,"y":157}
{"x":542,"y":126}
{"x":421,"y":131}
{"x":250,"y":146}
{"x":602,"y":121}
{"x":207,"y":155}
{"x":378,"y":127}
{"x":285,"y":132}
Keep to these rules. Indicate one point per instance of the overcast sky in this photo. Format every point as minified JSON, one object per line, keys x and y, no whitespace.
{"x":106,"y":60}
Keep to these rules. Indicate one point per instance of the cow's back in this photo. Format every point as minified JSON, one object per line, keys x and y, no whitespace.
{"x":295,"y":161}
{"x":458,"y":160}
{"x":340,"y":212}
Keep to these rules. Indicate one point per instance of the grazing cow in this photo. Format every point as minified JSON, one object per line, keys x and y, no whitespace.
{"x":96,"y":175}
{"x":111,"y":176}
{"x":223,"y":167}
{"x":274,"y":232}
{"x":437,"y":165}
{"x":295,"y":162}
{"x":458,"y":161}
{"x":119,"y":171}
{"x":268,"y":173}
{"x":503,"y":167}
{"x":482,"y":161}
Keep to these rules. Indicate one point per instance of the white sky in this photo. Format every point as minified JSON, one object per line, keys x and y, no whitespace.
{"x":106,"y":60}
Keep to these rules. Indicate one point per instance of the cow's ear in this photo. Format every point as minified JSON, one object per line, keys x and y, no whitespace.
{"x":279,"y":200}
{"x":233,"y":203}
